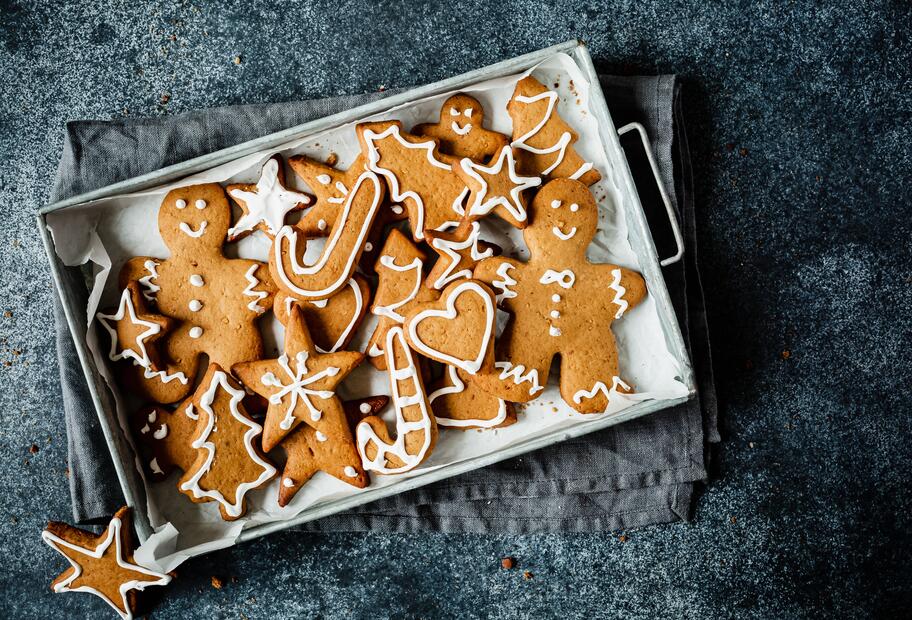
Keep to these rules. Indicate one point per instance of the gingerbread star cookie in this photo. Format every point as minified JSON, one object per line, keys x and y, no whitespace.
{"x":229,"y":462}
{"x":418,"y":176}
{"x":561,"y":305}
{"x":266,"y":203}
{"x":542,"y":141}
{"x":134,"y":330}
{"x":497,"y":188}
{"x":460,"y":131}
{"x":460,"y":404}
{"x":310,"y":451}
{"x":458,"y":253}
{"x":102,"y":564}
{"x":300,"y":384}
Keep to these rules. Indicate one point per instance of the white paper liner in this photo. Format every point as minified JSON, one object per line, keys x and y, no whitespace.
{"x":108,"y":232}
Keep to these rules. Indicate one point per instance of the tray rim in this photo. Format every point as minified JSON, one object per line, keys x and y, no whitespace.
{"x":123,"y":455}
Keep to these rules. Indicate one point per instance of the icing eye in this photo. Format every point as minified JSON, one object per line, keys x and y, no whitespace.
{"x":200,"y":204}
{"x":454,"y":112}
{"x":556,"y":204}
{"x":467,"y":113}
{"x":574,"y":207}
{"x":180,"y":203}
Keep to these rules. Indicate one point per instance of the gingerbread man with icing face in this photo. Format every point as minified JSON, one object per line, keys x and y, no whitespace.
{"x":216,"y":299}
{"x":561,"y":305}
{"x":460,"y":130}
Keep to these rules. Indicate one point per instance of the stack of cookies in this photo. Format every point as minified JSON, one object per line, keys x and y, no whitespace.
{"x":401,"y":236}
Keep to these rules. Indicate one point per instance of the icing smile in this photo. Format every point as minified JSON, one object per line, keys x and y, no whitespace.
{"x":560,"y":234}
{"x":185,"y":228}
{"x":463,"y":130}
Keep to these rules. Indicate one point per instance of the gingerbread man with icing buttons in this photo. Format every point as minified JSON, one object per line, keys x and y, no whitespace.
{"x":561,"y":305}
{"x":216,"y":299}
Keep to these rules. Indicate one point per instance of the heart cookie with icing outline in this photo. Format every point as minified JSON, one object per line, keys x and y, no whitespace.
{"x":457,"y":329}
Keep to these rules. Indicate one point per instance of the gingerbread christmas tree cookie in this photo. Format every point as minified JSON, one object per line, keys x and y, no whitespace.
{"x":102,"y":564}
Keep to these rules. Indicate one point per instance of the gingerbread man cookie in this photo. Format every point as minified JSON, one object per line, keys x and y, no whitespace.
{"x":400,"y":271}
{"x":216,"y":299}
{"x":418,"y":176}
{"x":265,"y":203}
{"x":459,"y":403}
{"x":561,"y":305}
{"x":229,"y":462}
{"x":344,"y":245}
{"x":458,"y":252}
{"x":301,"y":385}
{"x":102,"y":564}
{"x":497,"y":188}
{"x":310,"y":451}
{"x":460,"y":131}
{"x":541,"y":139}
{"x":416,"y":428}
{"x":333,"y":321}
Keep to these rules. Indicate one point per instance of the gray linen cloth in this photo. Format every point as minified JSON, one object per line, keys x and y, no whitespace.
{"x":630,"y":475}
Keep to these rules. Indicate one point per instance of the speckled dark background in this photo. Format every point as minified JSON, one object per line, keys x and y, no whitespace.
{"x":800,"y":124}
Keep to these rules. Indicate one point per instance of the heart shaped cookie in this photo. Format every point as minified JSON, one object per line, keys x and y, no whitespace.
{"x":458,"y":328}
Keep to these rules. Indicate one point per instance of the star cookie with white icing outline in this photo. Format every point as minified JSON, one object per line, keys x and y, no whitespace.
{"x":134,"y":330}
{"x":310,"y":451}
{"x":102,"y":564}
{"x":300,"y":384}
{"x":460,"y":130}
{"x":266,"y":203}
{"x":458,"y":252}
{"x":497,"y":188}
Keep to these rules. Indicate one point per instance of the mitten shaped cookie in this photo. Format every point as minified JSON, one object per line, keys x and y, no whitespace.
{"x":561,"y":305}
{"x":541,"y":139}
{"x":459,"y":403}
{"x":460,"y":131}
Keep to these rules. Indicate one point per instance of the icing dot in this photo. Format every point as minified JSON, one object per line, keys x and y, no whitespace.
{"x":196,"y":280}
{"x":365,"y":408}
{"x":288,"y":482}
{"x":554,"y":331}
{"x":196,"y":332}
{"x":351,"y":472}
{"x":321,"y":436}
{"x":397,"y":209}
{"x":368,"y":246}
{"x":574,"y":207}
{"x":152,"y":416}
{"x":195,"y":305}
{"x":555,"y":314}
{"x":200,"y":204}
{"x":555,"y":204}
{"x":555,"y":298}
{"x":324,"y":179}
{"x":145,"y":429}
{"x":162,"y":432}
{"x":180,"y":203}
{"x":321,"y":224}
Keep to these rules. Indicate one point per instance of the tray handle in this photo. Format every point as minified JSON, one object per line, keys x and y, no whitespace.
{"x":669,"y":210}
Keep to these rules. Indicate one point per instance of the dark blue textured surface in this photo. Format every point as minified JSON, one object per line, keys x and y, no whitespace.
{"x":800,"y":122}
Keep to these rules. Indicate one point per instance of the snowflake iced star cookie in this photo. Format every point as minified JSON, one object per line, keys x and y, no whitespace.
{"x":300,"y":384}
{"x":102,"y":564}
{"x":266,"y":203}
{"x":460,"y":131}
{"x":561,"y":304}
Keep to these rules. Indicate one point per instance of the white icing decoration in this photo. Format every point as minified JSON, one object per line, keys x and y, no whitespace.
{"x":619,"y":292}
{"x":560,"y":146}
{"x":368,"y":246}
{"x":185,"y":228}
{"x":564,"y":278}
{"x":600,"y":387}
{"x":268,"y":204}
{"x":395,"y":340}
{"x":113,"y":536}
{"x":390,"y":310}
{"x":195,"y":305}
{"x":574,"y":207}
{"x":145,"y":429}
{"x":164,"y":377}
{"x":467,"y":112}
{"x":287,"y":233}
{"x":555,"y":314}
{"x":454,"y":112}
{"x":321,"y":224}
{"x":323,"y":179}
{"x":503,"y":285}
{"x":190,"y":412}
{"x":320,"y":303}
{"x":515,"y":373}
{"x":553,"y":331}
{"x":359,"y":303}
{"x":470,"y":366}
{"x":350,"y":471}
{"x":340,"y":186}
{"x":126,"y":309}
{"x":449,"y":248}
{"x":196,"y":280}
{"x":586,"y":167}
{"x":196,"y":332}
{"x":232,"y":509}
{"x":153,"y":415}
{"x":364,"y":408}
{"x":555,"y":298}
{"x":258,"y":296}
{"x":560,"y":234}
{"x":460,"y":130}
{"x":397,"y":209}
{"x":288,"y":483}
{"x":396,"y":194}
{"x":456,"y":387}
{"x":321,"y":437}
{"x":480,"y":206}
{"x":556,"y":204}
{"x":180,"y":203}
{"x":162,"y":432}
{"x":149,"y":289}
{"x":336,"y":200}
{"x":200,"y":204}
{"x":300,"y":379}
{"x":154,"y":466}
